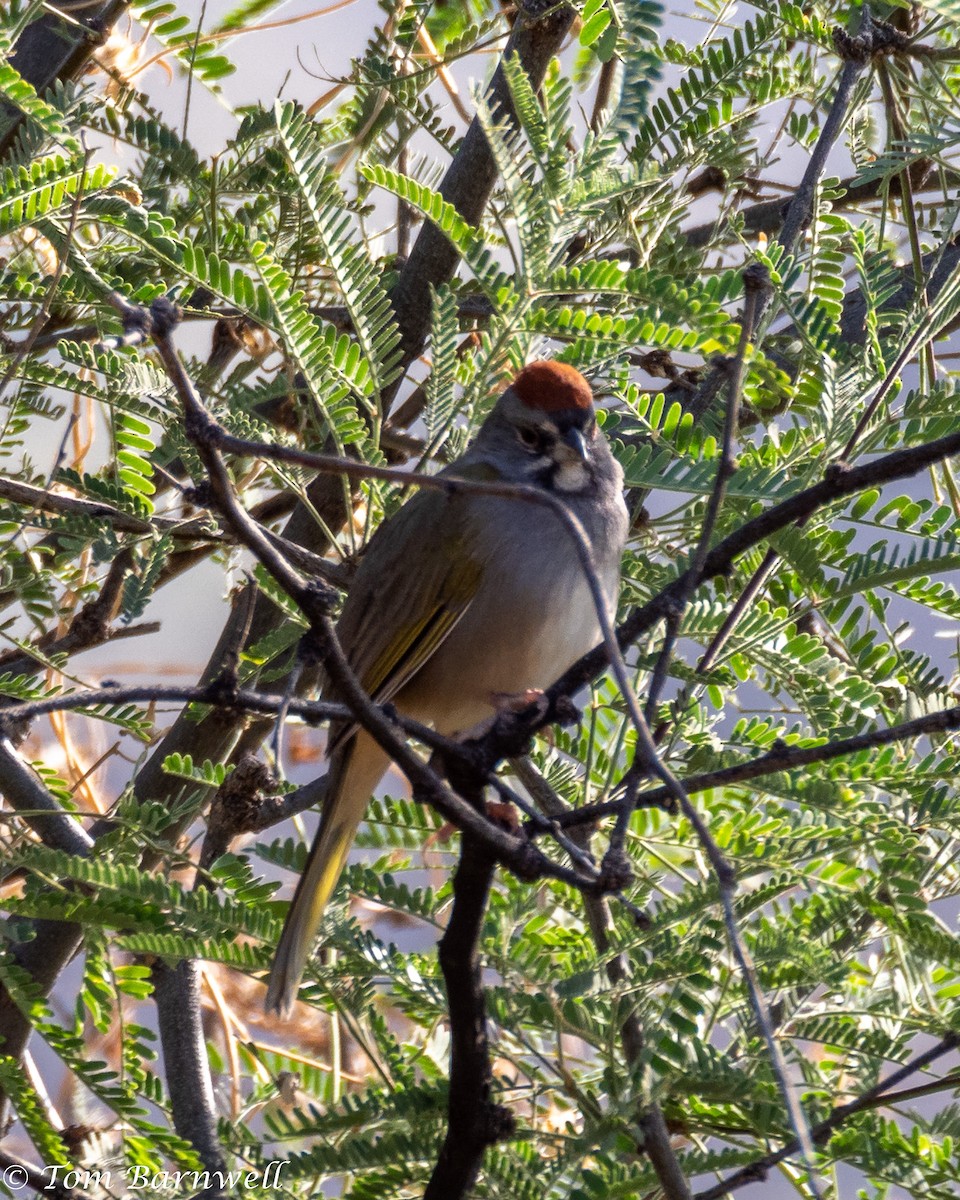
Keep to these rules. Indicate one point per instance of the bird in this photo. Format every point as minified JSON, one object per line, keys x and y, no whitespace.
{"x":462,"y":599}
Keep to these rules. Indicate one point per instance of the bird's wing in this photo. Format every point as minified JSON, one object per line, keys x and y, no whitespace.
{"x":414,"y":584}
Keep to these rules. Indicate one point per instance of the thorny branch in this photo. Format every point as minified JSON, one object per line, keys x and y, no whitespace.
{"x":646,"y":759}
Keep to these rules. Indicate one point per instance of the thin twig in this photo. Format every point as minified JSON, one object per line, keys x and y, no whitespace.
{"x":740,"y":606}
{"x":604,"y":93}
{"x":243,"y":699}
{"x":756,"y":282}
{"x":43,"y":500}
{"x":49,"y":339}
{"x":289,"y":691}
{"x":656,"y":1136}
{"x":891,"y":378}
{"x":190,"y":71}
{"x":539,"y":823}
{"x":780,"y":758}
{"x":797,"y":214}
{"x":89,"y":627}
{"x":756,"y":1172}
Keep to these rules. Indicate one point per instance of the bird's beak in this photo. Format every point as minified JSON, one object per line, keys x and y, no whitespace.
{"x":575,"y":440}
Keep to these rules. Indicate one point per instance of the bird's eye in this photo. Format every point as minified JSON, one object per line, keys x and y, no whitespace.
{"x":529,"y":437}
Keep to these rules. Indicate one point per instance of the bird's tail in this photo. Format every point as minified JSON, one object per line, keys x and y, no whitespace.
{"x":355,"y":770}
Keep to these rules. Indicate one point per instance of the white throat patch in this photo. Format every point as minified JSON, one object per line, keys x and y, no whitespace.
{"x":571,"y":477}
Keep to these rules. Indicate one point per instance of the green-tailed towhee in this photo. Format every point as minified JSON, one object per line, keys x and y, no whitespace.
{"x":463,"y":598}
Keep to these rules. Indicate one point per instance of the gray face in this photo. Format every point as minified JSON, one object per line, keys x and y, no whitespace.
{"x":559,"y":450}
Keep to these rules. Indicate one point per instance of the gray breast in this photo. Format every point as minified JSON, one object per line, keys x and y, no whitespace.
{"x":533,"y":615}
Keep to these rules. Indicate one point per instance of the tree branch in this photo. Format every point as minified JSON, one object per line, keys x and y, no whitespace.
{"x":43,"y":500}
{"x":474,"y":1121}
{"x":22,"y":789}
{"x":781,"y":758}
{"x":856,"y":52}
{"x":767,"y":216}
{"x":51,"y":944}
{"x":176,"y":993}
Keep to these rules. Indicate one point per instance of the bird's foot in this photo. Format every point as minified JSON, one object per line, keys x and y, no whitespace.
{"x":515,"y":701}
{"x":502,"y":702}
{"x":504,"y":814}
{"x":499,"y":812}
